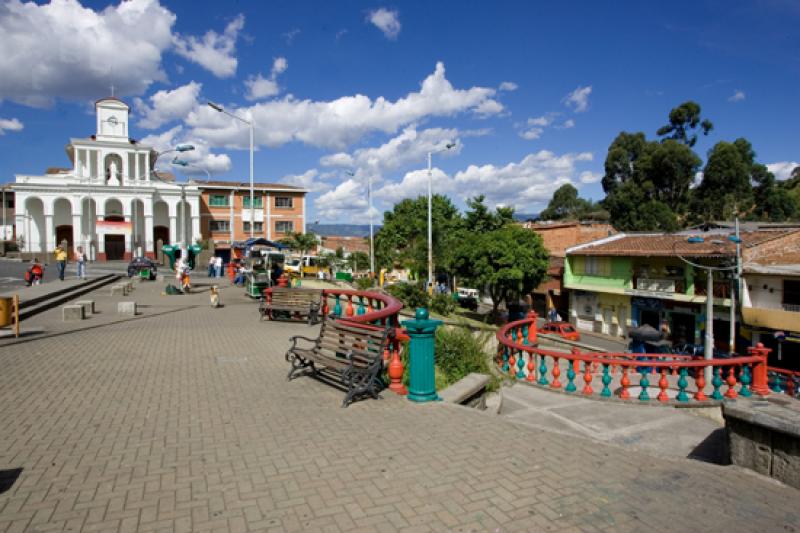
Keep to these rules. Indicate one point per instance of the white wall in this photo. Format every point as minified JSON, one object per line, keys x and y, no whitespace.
{"x":758,"y":296}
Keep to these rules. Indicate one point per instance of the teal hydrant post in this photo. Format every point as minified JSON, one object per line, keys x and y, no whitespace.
{"x":422,"y":379}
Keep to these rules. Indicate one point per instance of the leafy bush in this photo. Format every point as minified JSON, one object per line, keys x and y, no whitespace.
{"x":364,"y":284}
{"x":443,"y":304}
{"x":459,"y":352}
{"x":412,"y":295}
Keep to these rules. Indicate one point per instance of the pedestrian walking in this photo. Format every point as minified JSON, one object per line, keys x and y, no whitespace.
{"x":218,"y":266}
{"x":80,"y":260}
{"x":61,"y":261}
{"x":212,"y":263}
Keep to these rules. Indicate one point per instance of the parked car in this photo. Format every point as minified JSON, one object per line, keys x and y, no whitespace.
{"x":562,"y":329}
{"x":139,"y":264}
{"x":467,"y":298}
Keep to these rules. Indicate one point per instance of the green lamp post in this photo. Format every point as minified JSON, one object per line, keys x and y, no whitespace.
{"x":422,"y":381}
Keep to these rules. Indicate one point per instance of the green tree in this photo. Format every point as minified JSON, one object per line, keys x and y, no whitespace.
{"x":647,"y":183}
{"x":302,"y":243}
{"x":479,"y":218}
{"x":403,"y":239}
{"x":566,"y":205}
{"x":358,"y":261}
{"x":683,"y":120}
{"x":726,"y":187}
{"x":509,"y":262}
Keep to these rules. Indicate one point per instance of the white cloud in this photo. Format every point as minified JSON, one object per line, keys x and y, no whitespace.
{"x":166,"y":106}
{"x":214,"y":52}
{"x":67,"y":51}
{"x":737,"y":96}
{"x":537,"y":125}
{"x":260,"y":87}
{"x":508,"y":86}
{"x":337,"y":123}
{"x":199,"y":159}
{"x":10,"y":124}
{"x":414,"y":184}
{"x":409,"y":148}
{"x":531,"y":134}
{"x":291,"y":35}
{"x":307,"y":180}
{"x":531,"y":181}
{"x":783,"y":169}
{"x":349,"y":198}
{"x":588,"y":176}
{"x":386,"y":21}
{"x":578,"y":99}
{"x":488,"y":108}
{"x":528,"y":184}
{"x":544,"y":120}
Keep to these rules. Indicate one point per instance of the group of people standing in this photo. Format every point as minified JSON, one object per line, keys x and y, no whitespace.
{"x":215,"y":267}
{"x":35,"y":273}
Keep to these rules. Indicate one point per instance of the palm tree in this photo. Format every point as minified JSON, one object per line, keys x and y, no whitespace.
{"x":303,"y":242}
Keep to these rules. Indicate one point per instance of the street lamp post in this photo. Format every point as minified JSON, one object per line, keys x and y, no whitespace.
{"x":430,"y":215}
{"x":371,"y":232}
{"x":708,"y":351}
{"x":178,"y":148}
{"x":251,"y":124}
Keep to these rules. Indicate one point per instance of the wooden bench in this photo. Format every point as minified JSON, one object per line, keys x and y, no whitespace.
{"x":294,"y":302}
{"x":352,"y":350}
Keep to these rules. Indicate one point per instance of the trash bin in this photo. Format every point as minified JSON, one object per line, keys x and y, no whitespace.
{"x":6,"y":304}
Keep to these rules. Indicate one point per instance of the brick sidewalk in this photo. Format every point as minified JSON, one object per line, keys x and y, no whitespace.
{"x":184,"y":421}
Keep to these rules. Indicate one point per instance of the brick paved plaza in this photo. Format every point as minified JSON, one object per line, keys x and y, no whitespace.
{"x":182,"y":420}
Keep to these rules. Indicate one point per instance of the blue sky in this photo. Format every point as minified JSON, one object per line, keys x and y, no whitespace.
{"x":532,"y":94}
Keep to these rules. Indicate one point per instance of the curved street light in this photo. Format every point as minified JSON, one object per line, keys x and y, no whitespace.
{"x":448,"y":146}
{"x":251,"y":124}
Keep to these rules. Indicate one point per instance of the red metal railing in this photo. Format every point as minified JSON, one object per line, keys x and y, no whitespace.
{"x":784,"y":381}
{"x":676,"y":377}
{"x":372,"y":310}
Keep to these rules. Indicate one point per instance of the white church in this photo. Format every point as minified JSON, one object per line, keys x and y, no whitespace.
{"x":111,"y":202}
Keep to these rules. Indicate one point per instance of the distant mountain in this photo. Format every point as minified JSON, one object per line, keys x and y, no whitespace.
{"x":341,"y":230}
{"x":523,"y":217}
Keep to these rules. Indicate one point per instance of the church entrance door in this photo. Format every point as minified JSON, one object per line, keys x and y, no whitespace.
{"x":115,"y":247}
{"x":64,"y":233}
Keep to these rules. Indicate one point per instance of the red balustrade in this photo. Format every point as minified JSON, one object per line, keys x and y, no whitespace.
{"x":739,"y":376}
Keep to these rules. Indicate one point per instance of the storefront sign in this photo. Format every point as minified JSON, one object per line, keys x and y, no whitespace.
{"x":647,"y":303}
{"x":108,"y":227}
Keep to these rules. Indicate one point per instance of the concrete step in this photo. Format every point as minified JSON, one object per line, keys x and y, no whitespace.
{"x":44,"y":299}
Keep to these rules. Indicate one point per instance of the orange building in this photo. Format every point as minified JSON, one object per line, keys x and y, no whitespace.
{"x":278,"y":211}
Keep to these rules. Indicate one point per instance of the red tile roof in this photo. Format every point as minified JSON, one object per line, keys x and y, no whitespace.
{"x":715,"y":244}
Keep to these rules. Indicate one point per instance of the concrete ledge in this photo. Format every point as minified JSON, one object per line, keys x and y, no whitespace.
{"x":88,"y":306}
{"x":118,"y":290}
{"x":765,"y":437}
{"x":469,"y":390}
{"x":126,"y":308}
{"x":72,"y":312}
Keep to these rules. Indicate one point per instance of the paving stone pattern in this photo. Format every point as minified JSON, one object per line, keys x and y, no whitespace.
{"x":184,"y":421}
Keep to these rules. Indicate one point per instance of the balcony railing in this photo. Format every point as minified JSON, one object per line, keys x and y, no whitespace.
{"x":661,"y":285}
{"x":792,"y":308}
{"x":722,"y":289}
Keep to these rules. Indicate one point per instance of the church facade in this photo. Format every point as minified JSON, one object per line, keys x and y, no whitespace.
{"x":111,"y":201}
